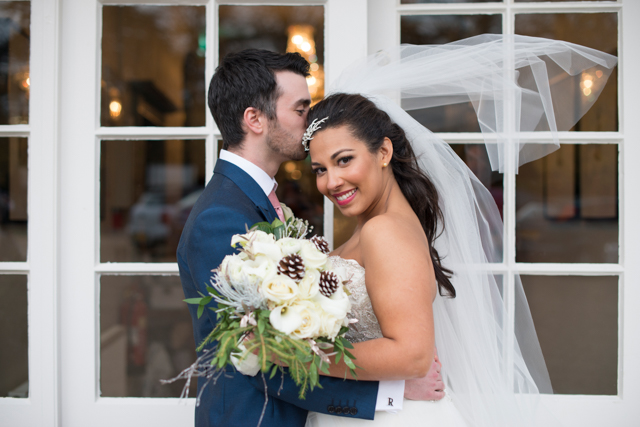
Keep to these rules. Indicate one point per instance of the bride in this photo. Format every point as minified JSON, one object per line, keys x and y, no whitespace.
{"x":427,"y":228}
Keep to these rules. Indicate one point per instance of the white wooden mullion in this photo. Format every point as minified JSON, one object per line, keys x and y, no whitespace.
{"x":129,"y":268}
{"x":150,"y":133}
{"x":629,"y":347}
{"x":155,"y":2}
{"x":495,"y":8}
{"x":211,"y":55}
{"x":553,"y":269}
{"x":340,"y":15}
{"x":14,"y":267}
{"x":276,"y":2}
{"x":41,"y":407}
{"x":509,"y":204}
{"x":78,"y":194}
{"x":15,"y":130}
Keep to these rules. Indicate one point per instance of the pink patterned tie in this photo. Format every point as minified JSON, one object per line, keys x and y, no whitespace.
{"x":276,"y":203}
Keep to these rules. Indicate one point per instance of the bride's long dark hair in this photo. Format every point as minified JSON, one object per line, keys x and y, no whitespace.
{"x":370,"y":125}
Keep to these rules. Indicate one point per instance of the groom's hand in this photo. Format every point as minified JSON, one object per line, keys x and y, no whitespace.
{"x":429,"y":387}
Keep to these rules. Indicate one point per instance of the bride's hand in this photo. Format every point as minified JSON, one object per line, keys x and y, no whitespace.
{"x":429,"y":387}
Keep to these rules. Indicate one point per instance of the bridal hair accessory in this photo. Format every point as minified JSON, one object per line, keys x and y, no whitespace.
{"x":308,"y":135}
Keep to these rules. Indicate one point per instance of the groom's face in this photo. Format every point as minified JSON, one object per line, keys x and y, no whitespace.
{"x":284,"y":135}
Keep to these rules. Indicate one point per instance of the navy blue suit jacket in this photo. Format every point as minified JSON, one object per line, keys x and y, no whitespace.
{"x":232,"y":201}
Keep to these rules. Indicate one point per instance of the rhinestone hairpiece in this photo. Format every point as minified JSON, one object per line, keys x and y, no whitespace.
{"x":308,"y":135}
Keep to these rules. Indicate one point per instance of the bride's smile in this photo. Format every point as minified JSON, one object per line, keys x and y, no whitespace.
{"x":345,"y":197}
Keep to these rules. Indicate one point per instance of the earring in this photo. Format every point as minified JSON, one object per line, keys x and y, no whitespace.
{"x":384,"y":165}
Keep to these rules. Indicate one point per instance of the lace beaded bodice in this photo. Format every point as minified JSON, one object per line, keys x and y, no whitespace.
{"x":367,"y":327}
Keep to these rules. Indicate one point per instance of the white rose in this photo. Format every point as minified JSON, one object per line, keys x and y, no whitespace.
{"x":285,"y":319}
{"x":337,"y":305}
{"x":286,"y":211}
{"x":289,"y":245}
{"x":232,"y":269}
{"x":279,"y":289}
{"x":329,"y":326}
{"x":310,"y":325}
{"x":311,"y":256}
{"x":255,"y":236}
{"x":309,"y":286}
{"x":270,"y":250}
{"x":258,"y":270}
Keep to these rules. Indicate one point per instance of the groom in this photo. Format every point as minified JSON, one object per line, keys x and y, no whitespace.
{"x":260,"y":101}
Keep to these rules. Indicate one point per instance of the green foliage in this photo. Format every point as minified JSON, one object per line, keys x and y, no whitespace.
{"x":277,"y":228}
{"x":274,"y":349}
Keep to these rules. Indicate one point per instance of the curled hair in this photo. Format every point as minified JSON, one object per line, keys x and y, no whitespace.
{"x":247,"y":79}
{"x":371,"y":125}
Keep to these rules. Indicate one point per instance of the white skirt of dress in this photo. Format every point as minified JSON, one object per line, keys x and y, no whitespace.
{"x":442,"y":413}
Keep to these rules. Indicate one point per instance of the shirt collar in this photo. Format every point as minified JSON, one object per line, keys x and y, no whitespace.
{"x":263,"y":179}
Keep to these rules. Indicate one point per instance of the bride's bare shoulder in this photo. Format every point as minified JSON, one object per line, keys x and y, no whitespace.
{"x":393,"y":230}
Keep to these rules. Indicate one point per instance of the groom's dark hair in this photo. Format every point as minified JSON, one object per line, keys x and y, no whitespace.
{"x":247,"y":79}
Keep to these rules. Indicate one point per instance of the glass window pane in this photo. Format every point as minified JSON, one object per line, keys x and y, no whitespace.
{"x":145,"y":336}
{"x":279,"y":29}
{"x":284,"y":29}
{"x":476,"y":158}
{"x":153,"y":66}
{"x":14,"y":357}
{"x":146,"y":194}
{"x":440,"y":29}
{"x":576,"y":319}
{"x":534,"y":1}
{"x":13,"y":199}
{"x":15,"y":34}
{"x":297,"y":189}
{"x":567,"y":206}
{"x":595,"y":30}
{"x":447,"y":1}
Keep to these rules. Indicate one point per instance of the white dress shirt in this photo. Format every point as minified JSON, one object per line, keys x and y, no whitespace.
{"x":390,"y":393}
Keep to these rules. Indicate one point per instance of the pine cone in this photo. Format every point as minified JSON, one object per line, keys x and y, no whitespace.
{"x":328,"y":283}
{"x":292,"y":266}
{"x":321,"y":243}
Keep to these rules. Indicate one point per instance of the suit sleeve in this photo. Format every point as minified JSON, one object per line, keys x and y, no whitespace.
{"x":357,"y":399}
{"x":209,"y":243}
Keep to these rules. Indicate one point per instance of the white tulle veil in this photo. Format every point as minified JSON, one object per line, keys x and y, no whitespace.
{"x":524,"y":90}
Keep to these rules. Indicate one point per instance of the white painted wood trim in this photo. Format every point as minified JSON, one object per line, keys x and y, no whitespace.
{"x":42,"y":406}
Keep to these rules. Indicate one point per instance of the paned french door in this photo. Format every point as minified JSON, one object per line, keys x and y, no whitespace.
{"x":139,"y":147}
{"x":29,"y":213}
{"x":569,"y":228}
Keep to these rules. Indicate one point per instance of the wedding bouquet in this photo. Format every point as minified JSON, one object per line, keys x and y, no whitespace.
{"x":279,"y":303}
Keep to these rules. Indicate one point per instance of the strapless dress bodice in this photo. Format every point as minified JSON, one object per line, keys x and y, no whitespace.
{"x":367,"y":327}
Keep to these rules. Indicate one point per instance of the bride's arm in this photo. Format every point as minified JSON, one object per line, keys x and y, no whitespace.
{"x":401,"y":284}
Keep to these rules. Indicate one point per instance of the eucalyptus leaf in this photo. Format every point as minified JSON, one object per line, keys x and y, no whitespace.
{"x":346,"y":343}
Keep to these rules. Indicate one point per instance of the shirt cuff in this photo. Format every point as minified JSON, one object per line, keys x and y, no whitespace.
{"x":390,"y":396}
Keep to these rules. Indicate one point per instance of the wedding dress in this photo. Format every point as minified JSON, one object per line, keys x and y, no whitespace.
{"x":442,"y":413}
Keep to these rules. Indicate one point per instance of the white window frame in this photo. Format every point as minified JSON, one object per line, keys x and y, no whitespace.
{"x":79,"y":229}
{"x":41,"y":405}
{"x":621,"y":409}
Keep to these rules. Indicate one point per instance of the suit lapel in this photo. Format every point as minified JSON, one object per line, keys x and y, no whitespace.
{"x":248,"y":185}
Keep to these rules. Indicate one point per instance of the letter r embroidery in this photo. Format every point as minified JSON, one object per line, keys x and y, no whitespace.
{"x":390,"y":401}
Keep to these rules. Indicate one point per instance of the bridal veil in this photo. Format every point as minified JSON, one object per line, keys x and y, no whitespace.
{"x":524,"y":90}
